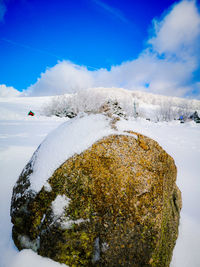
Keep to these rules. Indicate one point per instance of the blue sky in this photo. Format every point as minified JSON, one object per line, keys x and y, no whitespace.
{"x":36,"y":35}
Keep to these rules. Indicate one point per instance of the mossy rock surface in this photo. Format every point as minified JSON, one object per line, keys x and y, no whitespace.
{"x":115,"y":204}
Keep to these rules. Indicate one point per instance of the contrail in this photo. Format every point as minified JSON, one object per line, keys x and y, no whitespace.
{"x":113,"y":11}
{"x":31,"y":48}
{"x":38,"y":50}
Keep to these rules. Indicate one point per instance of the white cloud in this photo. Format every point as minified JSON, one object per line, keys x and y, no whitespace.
{"x":166,"y":66}
{"x":8,"y":91}
{"x":64,"y":77}
{"x":178,"y":31}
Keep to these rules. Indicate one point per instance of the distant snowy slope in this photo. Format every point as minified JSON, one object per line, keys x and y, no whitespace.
{"x":90,"y":100}
{"x":96,"y":94}
{"x":16,"y":108}
{"x":133,"y":103}
{"x":154,"y":99}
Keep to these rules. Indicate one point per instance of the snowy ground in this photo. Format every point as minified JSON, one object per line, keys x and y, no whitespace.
{"x":19,"y":137}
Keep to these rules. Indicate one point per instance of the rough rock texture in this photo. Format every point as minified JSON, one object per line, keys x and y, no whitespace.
{"x":115,"y":204}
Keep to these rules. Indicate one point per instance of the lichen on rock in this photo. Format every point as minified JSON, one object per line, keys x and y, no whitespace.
{"x":114,"y":204}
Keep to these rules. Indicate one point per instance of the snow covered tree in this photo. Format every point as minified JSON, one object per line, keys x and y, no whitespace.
{"x":112,"y":107}
{"x":164,"y":112}
{"x":60,"y":106}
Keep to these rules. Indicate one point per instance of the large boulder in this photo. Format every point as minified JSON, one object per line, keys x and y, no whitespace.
{"x":114,"y":204}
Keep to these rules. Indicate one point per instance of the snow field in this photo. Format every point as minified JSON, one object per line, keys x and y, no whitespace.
{"x":20,"y":136}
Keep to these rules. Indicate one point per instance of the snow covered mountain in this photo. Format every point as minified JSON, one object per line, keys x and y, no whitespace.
{"x":134,"y":103}
{"x":146,"y":105}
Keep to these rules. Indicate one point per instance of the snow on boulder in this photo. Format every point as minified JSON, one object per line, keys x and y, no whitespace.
{"x":93,"y":195}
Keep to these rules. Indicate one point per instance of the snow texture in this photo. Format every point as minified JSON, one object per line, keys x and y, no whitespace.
{"x":72,"y":137}
{"x":47,"y":187}
{"x":59,"y":205}
{"x":96,"y":256}
{"x":67,"y":223}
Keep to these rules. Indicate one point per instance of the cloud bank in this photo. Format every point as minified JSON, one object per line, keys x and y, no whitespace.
{"x":166,"y":66}
{"x":8,"y":91}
